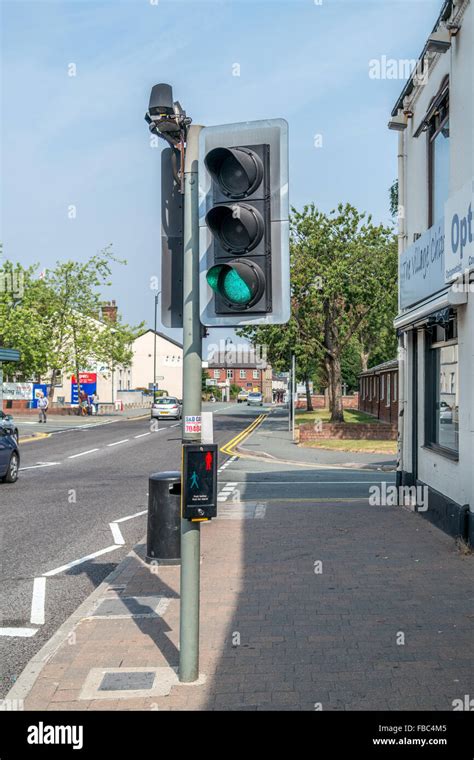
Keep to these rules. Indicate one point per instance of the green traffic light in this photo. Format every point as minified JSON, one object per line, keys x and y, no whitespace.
{"x":235,"y":288}
{"x":228,"y":283}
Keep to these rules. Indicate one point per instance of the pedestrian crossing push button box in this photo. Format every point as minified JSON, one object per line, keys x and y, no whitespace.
{"x":199,"y":481}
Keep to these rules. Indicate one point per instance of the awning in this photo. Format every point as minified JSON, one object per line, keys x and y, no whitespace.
{"x":421,"y":314}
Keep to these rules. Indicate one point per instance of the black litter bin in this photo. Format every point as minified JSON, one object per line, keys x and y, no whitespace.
{"x":163,"y":543}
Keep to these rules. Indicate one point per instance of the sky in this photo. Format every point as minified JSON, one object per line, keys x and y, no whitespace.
{"x":79,"y":170}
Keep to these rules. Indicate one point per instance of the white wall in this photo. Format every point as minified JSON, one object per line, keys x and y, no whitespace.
{"x":169,"y":364}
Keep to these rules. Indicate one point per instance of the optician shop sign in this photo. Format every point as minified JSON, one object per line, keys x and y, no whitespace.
{"x":422,"y":267}
{"x":459,"y":232}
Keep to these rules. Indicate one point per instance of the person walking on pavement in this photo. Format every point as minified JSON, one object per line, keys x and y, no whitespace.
{"x":95,"y":402}
{"x":43,"y":404}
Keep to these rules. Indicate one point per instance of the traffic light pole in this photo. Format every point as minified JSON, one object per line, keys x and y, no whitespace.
{"x":192,"y":372}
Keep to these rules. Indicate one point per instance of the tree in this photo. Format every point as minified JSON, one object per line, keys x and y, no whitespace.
{"x":24,"y":300}
{"x":340,"y":279}
{"x":393,"y":195}
{"x":55,"y":320}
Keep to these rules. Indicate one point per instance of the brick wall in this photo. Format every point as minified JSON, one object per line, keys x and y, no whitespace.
{"x":321,"y":402}
{"x":373,"y":395}
{"x":367,"y":431}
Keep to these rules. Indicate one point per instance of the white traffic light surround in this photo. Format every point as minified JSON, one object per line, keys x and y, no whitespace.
{"x":273,"y":132}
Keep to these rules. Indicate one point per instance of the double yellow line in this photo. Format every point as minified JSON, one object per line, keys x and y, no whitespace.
{"x":229,"y":447}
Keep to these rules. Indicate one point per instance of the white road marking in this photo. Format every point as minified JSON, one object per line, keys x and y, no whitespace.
{"x":82,"y":453}
{"x":75,"y":562}
{"x":23,"y":632}
{"x":116,"y":443}
{"x":38,"y":600}
{"x":117,"y":534}
{"x":40,"y":464}
{"x":130,"y":517}
{"x":142,"y":435}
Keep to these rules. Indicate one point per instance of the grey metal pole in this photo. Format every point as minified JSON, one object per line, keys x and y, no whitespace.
{"x":293,"y":393}
{"x":192,"y":371}
{"x":154,"y":351}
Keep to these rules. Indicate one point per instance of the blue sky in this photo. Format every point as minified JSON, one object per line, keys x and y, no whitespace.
{"x":82,"y":140}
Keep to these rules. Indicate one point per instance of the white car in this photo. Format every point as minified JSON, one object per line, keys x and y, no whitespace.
{"x":167,"y":406}
{"x":255,"y":399}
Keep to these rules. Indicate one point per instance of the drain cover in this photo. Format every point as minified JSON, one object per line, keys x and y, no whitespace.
{"x":127,"y":681}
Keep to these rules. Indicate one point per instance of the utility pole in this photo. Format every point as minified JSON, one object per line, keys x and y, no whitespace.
{"x":154,"y":348}
{"x":192,"y":371}
{"x":293,"y":389}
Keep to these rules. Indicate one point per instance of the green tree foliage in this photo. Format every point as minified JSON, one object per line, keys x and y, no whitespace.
{"x":55,"y":319}
{"x":343,"y":283}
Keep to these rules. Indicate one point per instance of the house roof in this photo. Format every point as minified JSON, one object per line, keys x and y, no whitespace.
{"x":384,"y":367}
{"x":161,"y":335}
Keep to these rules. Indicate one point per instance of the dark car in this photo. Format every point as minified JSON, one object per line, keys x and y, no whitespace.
{"x":7,"y":421}
{"x":9,"y":456}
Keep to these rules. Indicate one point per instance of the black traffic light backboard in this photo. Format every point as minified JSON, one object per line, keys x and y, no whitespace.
{"x":172,"y":221}
{"x":199,"y":481}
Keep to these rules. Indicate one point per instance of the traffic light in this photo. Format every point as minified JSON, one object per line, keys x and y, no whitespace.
{"x":244,"y":228}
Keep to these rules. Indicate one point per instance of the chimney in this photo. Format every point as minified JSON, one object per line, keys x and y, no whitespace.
{"x":109,"y":311}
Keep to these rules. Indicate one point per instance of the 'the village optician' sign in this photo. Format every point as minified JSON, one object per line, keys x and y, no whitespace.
{"x":459,"y":232}
{"x":422,"y":267}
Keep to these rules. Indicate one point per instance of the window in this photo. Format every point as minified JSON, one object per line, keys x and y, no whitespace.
{"x":395,"y":388}
{"x":217,"y":374}
{"x":387,"y":403}
{"x":438,"y":161}
{"x":256,"y":374}
{"x":442,"y":388}
{"x":230,"y":374}
{"x":382,"y":388}
{"x":243,"y":374}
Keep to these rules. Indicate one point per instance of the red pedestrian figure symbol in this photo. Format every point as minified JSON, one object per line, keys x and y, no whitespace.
{"x":208,"y":460}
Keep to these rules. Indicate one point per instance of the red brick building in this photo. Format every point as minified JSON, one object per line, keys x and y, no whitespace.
{"x":251,"y":375}
{"x":378,"y":391}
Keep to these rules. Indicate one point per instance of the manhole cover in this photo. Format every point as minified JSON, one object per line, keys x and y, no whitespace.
{"x":127,"y":681}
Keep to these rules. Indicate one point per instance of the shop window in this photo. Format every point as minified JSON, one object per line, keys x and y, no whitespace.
{"x":442,"y":388}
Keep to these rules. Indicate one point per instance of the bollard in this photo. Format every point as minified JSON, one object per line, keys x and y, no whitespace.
{"x":163,"y":544}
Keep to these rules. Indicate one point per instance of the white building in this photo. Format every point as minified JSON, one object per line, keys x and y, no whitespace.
{"x":169,"y":363}
{"x":123,"y":383}
{"x":435,"y":123}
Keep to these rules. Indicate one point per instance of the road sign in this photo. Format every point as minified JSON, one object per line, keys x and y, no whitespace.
{"x":211,"y":381}
{"x":199,"y":481}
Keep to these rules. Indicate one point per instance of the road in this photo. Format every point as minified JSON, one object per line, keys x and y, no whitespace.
{"x":73,"y":485}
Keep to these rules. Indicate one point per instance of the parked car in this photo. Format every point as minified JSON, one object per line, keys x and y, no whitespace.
{"x":167,"y":406}
{"x":7,"y":421}
{"x":9,"y":456}
{"x":255,"y":399}
{"x":242,"y":396}
{"x":445,"y":413}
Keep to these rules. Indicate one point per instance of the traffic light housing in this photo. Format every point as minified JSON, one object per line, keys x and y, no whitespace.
{"x":172,"y":224}
{"x":244,"y":228}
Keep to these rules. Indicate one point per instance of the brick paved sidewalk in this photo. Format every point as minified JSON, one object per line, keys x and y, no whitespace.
{"x":275,"y":632}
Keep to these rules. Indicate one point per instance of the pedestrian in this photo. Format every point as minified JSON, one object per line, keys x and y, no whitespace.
{"x":43,"y":404}
{"x":95,"y":402}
